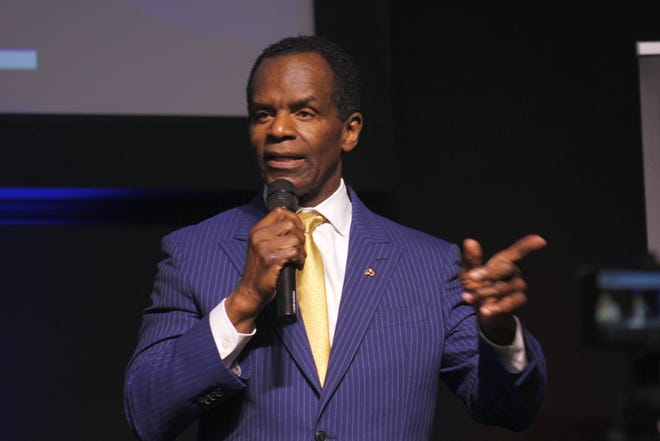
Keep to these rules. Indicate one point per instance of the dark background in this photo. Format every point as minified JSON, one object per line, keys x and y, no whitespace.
{"x":502,"y":119}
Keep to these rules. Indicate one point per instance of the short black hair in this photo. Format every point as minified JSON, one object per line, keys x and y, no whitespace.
{"x":346,"y":87}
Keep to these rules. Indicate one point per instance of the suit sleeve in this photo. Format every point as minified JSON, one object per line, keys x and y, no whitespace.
{"x":472,"y":369}
{"x":176,"y":373}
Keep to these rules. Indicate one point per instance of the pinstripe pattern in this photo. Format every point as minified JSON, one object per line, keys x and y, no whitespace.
{"x":398,"y":333}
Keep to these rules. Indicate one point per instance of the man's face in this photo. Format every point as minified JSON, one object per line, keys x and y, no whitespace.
{"x":294,"y":128}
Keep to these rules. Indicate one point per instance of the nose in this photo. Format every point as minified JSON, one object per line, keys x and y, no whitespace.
{"x":281,"y":127}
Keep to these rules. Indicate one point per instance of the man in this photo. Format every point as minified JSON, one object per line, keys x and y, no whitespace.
{"x":401,"y":311}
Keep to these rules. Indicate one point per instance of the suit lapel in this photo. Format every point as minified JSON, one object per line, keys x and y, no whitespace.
{"x":236,"y":248}
{"x":294,"y":338}
{"x":372,"y":257}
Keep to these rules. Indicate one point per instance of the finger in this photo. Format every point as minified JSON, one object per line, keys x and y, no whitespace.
{"x":284,"y":255}
{"x":278,"y":215}
{"x":470,"y":283}
{"x":493,"y":292}
{"x":521,"y":248}
{"x":278,"y":225}
{"x":505,"y":305}
{"x":472,"y":254}
{"x":495,"y":269}
{"x":501,"y":289}
{"x":469,"y":297}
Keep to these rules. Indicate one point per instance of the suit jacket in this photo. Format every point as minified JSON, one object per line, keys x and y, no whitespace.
{"x":401,"y":328}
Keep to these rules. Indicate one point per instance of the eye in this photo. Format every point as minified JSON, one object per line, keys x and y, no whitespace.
{"x":305,"y":113}
{"x":260,"y":115}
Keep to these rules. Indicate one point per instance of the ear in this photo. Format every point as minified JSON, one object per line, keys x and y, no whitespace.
{"x":352,"y":129}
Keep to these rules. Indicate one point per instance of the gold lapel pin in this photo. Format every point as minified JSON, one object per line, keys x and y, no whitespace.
{"x":369,"y":272}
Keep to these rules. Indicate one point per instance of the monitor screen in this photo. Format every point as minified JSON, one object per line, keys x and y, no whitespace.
{"x":622,"y":307}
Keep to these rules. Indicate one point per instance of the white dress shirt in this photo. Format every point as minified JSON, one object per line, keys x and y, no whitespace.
{"x":332,"y":239}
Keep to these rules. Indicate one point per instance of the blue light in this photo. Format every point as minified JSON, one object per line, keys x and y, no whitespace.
{"x":64,"y":193}
{"x":112,"y":206}
{"x":71,"y":205}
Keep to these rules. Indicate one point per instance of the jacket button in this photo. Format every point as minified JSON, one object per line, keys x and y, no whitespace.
{"x":321,"y":436}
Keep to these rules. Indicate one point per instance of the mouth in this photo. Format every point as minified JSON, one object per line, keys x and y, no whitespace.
{"x":283,"y":161}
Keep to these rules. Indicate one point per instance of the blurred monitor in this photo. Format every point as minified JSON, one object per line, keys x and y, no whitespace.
{"x":621,"y":307}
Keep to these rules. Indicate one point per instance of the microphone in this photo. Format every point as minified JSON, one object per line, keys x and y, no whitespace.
{"x":282,"y":193}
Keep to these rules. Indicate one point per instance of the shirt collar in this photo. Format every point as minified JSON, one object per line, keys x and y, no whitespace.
{"x":337,"y":209}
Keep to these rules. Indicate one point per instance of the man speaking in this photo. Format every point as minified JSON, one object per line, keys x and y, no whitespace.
{"x":383,"y":312}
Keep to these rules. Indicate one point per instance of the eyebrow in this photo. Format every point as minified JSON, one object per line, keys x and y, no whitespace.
{"x":303,"y":102}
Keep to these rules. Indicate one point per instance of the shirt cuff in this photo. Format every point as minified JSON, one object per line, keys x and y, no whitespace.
{"x":227,"y":339}
{"x":513,"y":357}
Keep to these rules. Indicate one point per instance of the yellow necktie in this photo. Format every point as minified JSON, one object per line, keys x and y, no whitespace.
{"x":310,"y":284}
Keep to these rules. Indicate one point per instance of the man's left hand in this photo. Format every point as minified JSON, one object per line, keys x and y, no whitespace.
{"x":496,"y":288}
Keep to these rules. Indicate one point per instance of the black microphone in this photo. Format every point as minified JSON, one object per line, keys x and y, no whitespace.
{"x":282,"y":193}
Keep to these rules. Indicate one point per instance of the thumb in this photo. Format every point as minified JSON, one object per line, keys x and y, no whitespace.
{"x":472,"y":254}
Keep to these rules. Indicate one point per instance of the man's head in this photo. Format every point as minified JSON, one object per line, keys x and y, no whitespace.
{"x":303,"y":114}
{"x":347,"y":84}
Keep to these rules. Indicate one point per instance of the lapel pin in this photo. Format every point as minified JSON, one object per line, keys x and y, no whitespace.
{"x":369,"y":272}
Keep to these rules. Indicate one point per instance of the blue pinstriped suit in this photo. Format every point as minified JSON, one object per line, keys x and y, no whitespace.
{"x":398,"y":333}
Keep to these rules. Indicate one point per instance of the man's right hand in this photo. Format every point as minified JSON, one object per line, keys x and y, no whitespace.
{"x":274,"y":241}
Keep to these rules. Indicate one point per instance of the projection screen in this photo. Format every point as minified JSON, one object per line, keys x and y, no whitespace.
{"x":137,"y":57}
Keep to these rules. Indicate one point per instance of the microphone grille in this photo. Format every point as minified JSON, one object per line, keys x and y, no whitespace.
{"x":282,"y":193}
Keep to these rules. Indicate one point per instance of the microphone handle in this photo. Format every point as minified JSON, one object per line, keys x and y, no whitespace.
{"x":287,"y":307}
{"x":282,"y":193}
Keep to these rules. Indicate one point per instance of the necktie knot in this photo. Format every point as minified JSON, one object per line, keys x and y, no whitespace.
{"x":312,"y":219}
